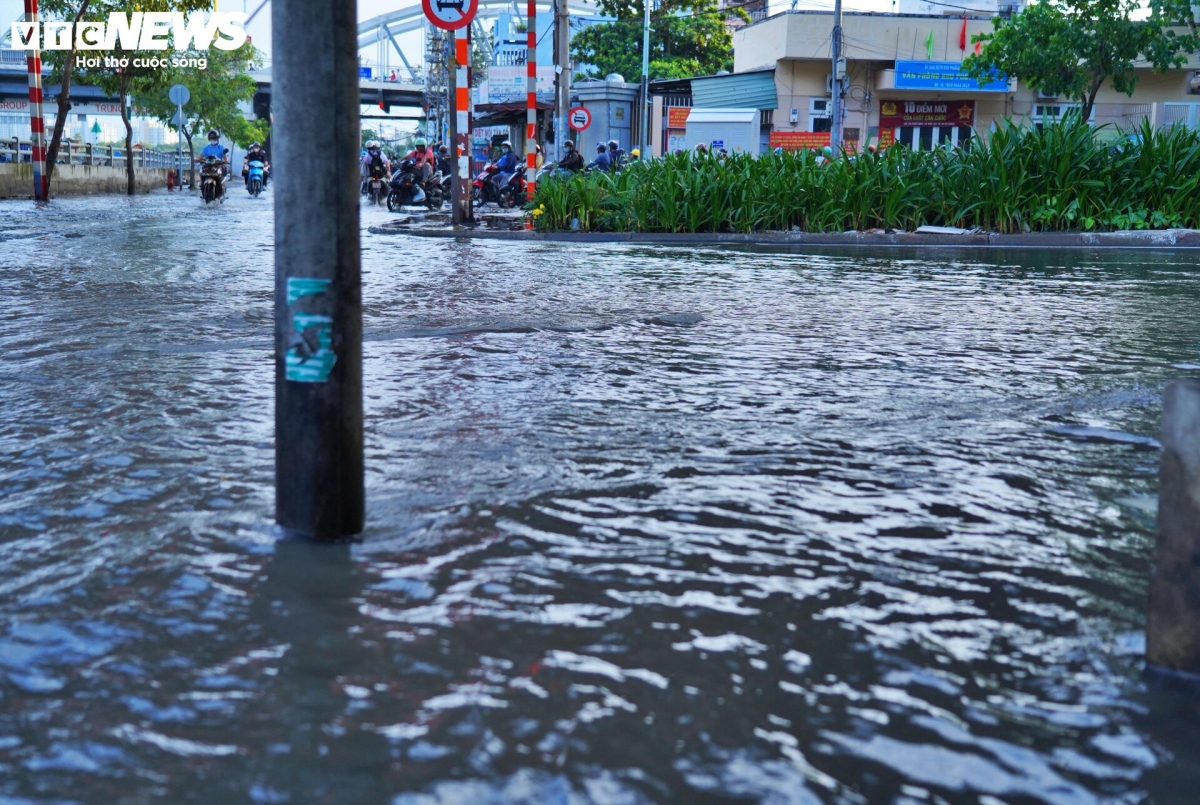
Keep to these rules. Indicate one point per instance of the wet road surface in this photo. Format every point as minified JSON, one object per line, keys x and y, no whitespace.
{"x":645,"y":524}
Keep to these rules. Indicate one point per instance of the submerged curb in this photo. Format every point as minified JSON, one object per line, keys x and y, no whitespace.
{"x":1161,"y":238}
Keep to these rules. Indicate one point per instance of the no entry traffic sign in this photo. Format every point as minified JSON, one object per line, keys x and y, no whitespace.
{"x":450,"y":15}
{"x":579,"y":118}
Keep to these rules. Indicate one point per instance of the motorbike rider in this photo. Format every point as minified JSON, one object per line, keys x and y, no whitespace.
{"x":214,"y":149}
{"x":602,"y":161}
{"x":374,"y":158}
{"x":422,"y":159}
{"x":616,"y":156}
{"x":506,"y":165}
{"x":572,"y":160}
{"x":443,"y":160}
{"x":255,"y":152}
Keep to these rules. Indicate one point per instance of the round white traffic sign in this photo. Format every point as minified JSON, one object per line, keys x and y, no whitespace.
{"x":179,"y":94}
{"x":579,"y":118}
{"x":450,"y":15}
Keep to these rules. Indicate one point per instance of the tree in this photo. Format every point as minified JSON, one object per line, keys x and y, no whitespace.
{"x":481,"y":56}
{"x":687,"y":38}
{"x":62,"y":62}
{"x":215,"y":93}
{"x":1071,"y":47}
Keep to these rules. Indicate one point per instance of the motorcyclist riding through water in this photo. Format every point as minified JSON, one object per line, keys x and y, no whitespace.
{"x":602,"y":161}
{"x":616,"y":156}
{"x":215,"y":149}
{"x":422,"y":158}
{"x":443,"y":160}
{"x":255,"y":152}
{"x":374,"y":159}
{"x":572,"y":160}
{"x":506,"y":165}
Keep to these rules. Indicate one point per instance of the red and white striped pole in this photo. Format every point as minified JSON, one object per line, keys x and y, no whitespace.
{"x":531,"y":100}
{"x":37,"y":123}
{"x":462,"y":112}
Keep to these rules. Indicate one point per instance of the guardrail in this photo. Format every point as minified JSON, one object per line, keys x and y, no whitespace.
{"x":71,"y":153}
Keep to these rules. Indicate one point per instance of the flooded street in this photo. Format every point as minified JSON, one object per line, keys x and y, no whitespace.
{"x":644,"y":524}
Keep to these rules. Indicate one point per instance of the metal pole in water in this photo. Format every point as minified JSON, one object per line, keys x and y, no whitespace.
{"x":318,"y":299}
{"x":37,"y":121}
{"x":1173,"y":617}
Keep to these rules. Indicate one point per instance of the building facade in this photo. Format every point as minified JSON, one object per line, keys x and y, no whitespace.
{"x":903,"y":82}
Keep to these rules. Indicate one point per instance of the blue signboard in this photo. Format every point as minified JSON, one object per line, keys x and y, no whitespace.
{"x":364,"y":72}
{"x":942,"y":75}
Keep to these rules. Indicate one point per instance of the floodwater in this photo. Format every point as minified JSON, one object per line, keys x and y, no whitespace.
{"x":645,"y":524}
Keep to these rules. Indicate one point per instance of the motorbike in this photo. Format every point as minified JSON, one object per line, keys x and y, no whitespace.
{"x":486,"y":188}
{"x":254,"y":182}
{"x":404,"y":185}
{"x":212,"y":179}
{"x":373,"y":186}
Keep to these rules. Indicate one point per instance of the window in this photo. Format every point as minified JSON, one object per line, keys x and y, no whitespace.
{"x":1053,"y":112}
{"x":1181,"y":114}
{"x":818,"y":114}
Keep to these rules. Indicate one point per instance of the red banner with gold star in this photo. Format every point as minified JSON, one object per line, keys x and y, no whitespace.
{"x":900,"y":114}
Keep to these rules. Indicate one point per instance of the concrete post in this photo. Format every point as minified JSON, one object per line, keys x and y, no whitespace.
{"x":318,"y":304}
{"x":1173,"y":622}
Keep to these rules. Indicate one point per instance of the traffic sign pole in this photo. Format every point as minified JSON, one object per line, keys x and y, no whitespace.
{"x":178,"y":94}
{"x":462,"y":128}
{"x":456,"y":15}
{"x":531,"y":100}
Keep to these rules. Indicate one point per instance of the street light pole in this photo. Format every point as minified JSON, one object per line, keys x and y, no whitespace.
{"x":835,"y":127}
{"x":644,"y":134}
{"x":562,"y":77}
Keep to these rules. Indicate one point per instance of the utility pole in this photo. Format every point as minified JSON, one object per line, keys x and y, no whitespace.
{"x":562,"y":74}
{"x":318,"y":291}
{"x":835,"y":127}
{"x":644,"y":134}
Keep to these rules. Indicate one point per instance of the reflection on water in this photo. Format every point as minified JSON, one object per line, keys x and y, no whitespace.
{"x":645,"y":524}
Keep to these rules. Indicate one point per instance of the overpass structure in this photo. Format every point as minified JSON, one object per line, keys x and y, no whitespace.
{"x":386,"y":27}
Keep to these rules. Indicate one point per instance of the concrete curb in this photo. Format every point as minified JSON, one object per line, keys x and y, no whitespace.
{"x":1163,"y":238}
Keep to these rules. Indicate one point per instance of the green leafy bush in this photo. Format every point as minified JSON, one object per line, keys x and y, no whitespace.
{"x":1057,"y":179}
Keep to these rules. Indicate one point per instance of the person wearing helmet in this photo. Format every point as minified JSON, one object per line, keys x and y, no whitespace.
{"x":215,"y":149}
{"x":572,"y":160}
{"x":635,"y":155}
{"x":422,"y":158}
{"x":506,"y":165}
{"x":255,"y":151}
{"x":616,"y":156}
{"x":602,"y":162}
{"x":443,"y":160}
{"x":701,"y":150}
{"x":374,"y":160}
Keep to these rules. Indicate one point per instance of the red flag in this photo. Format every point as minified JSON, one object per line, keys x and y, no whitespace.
{"x":962,"y":35}
{"x":978,"y":48}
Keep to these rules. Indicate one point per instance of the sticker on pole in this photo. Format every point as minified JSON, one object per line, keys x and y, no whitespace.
{"x":579,"y":118}
{"x":450,"y":15}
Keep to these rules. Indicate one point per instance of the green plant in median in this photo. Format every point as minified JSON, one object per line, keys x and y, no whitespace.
{"x":1062,"y":177}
